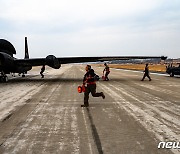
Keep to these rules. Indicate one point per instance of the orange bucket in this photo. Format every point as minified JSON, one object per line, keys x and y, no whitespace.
{"x":79,"y":89}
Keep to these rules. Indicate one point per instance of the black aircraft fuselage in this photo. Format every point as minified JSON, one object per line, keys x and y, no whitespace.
{"x":7,"y":61}
{"x":8,"y":65}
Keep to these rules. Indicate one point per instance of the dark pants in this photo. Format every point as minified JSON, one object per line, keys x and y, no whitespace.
{"x":106,"y":76}
{"x":146,"y":74}
{"x":42,"y":75}
{"x":91,"y":88}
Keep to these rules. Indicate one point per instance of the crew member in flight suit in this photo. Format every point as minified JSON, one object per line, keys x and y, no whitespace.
{"x":106,"y":69}
{"x":146,"y":73}
{"x":91,"y":86}
{"x":42,"y":70}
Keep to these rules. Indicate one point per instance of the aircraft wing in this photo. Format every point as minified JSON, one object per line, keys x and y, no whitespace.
{"x":54,"y":62}
{"x":101,"y":59}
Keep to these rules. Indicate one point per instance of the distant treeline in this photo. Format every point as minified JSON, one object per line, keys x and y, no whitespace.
{"x":141,"y":61}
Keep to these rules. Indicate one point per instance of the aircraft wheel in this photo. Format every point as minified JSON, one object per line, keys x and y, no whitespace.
{"x":4,"y":79}
{"x":1,"y":79}
{"x":23,"y":75}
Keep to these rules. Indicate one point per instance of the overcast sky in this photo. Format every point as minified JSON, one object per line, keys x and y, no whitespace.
{"x":92,"y":28}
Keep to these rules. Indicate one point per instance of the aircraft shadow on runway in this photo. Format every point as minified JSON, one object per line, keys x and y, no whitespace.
{"x":55,"y":79}
{"x":65,"y":80}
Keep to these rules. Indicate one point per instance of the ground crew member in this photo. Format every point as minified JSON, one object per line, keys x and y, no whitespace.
{"x":107,"y":70}
{"x":42,"y":70}
{"x":91,"y":86}
{"x":146,"y":73}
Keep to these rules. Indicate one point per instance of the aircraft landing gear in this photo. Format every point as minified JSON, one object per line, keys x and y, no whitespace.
{"x":3,"y":77}
{"x":171,"y":74}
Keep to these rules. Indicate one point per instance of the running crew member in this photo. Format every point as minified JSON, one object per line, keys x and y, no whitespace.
{"x":106,"y":69}
{"x":42,"y":70}
{"x":146,"y":73}
{"x":91,"y":86}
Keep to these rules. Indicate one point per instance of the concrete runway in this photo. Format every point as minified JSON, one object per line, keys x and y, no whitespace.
{"x":44,"y":115}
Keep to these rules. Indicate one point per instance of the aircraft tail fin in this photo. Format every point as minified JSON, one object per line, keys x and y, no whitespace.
{"x":26,"y":49}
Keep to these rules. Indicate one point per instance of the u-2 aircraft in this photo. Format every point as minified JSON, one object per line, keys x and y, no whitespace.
{"x":10,"y":64}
